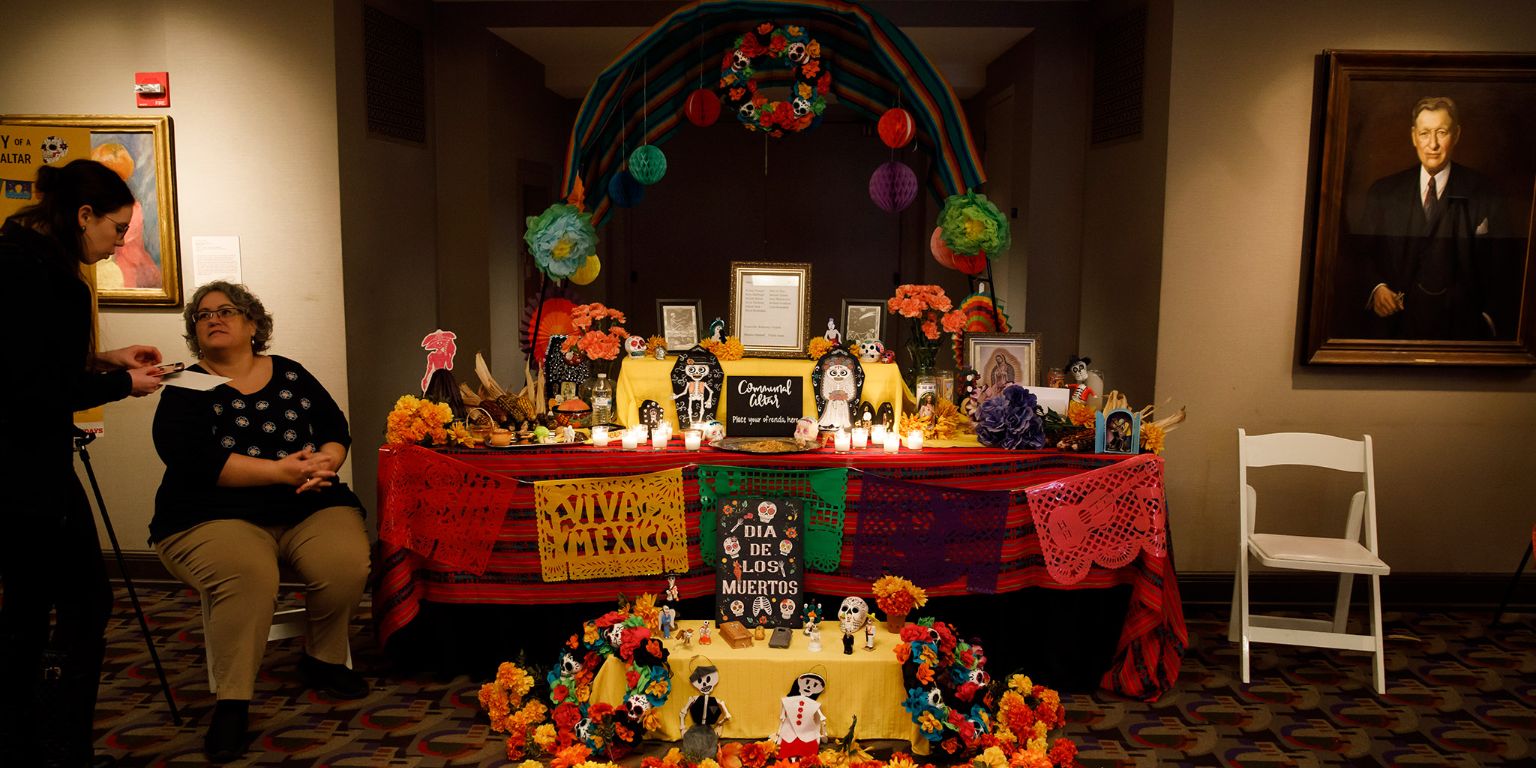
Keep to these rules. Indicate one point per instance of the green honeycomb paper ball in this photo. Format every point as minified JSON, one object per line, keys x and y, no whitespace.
{"x":647,"y":164}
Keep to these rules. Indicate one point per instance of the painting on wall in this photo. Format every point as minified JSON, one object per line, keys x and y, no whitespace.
{"x":1419,"y":222}
{"x":145,"y":269}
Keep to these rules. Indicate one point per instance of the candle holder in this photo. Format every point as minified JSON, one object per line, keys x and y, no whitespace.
{"x":600,"y":437}
{"x":692,"y":439}
{"x":860,"y":438}
{"x":914,"y":440}
{"x":841,"y":441}
{"x":892,"y":442}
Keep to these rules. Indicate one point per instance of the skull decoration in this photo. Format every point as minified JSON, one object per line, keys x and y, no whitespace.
{"x":852,"y":614}
{"x":584,"y":729}
{"x":747,"y":112}
{"x":635,"y":345}
{"x":616,"y":635}
{"x":870,"y":350}
{"x":638,"y":706}
{"x":766,"y":511}
{"x":569,"y":665}
{"x":732,"y":546}
{"x":53,"y":148}
{"x":935,"y":697}
{"x":810,"y":685}
{"x":796,"y":52}
{"x":786,"y":608}
{"x":786,"y":546}
{"x":802,"y":106}
{"x":704,"y":679}
{"x":740,"y":61}
{"x":738,"y":607}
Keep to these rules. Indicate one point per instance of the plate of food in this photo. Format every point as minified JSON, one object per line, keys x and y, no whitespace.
{"x":767,"y":445}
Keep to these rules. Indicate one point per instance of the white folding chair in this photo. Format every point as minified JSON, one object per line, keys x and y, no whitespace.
{"x":1345,"y":556}
{"x":286,"y":623}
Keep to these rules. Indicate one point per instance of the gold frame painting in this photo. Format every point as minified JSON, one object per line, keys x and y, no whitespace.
{"x":1022,"y":348}
{"x":140,"y":149}
{"x":802,"y":273}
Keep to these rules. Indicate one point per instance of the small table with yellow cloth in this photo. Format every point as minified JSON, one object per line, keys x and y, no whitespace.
{"x":645,"y":378}
{"x":753,"y":680}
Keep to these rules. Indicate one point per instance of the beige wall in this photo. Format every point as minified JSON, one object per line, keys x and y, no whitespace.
{"x":254,"y":105}
{"x":1454,"y":467}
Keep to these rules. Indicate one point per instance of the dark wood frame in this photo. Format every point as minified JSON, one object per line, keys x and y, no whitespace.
{"x":848,"y":336}
{"x":698,"y":319}
{"x":1343,"y":103}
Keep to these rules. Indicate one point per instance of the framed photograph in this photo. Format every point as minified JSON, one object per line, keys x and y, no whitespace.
{"x":680,"y":322}
{"x":1419,"y":219}
{"x":146,"y":270}
{"x":1003,"y":358}
{"x":863,"y":319}
{"x":771,"y":307}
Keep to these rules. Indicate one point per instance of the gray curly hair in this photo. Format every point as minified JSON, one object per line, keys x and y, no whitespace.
{"x":242,"y":298}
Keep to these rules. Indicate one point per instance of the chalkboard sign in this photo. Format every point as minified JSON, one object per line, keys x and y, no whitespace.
{"x":759,"y":561}
{"x":763,"y":406}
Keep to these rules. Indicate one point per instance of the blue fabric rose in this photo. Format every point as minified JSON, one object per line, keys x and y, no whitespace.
{"x":560,"y":239}
{"x":1011,"y":420}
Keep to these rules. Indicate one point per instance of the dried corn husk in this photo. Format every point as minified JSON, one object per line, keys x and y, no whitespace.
{"x":468,"y":396}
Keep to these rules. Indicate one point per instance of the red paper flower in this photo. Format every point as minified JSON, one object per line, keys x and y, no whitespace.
{"x":566,"y":717}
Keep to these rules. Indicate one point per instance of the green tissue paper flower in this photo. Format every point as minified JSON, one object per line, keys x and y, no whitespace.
{"x":971,"y":224}
{"x":561,"y":238}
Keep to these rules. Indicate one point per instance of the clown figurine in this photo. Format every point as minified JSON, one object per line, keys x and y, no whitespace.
{"x":802,"y":726}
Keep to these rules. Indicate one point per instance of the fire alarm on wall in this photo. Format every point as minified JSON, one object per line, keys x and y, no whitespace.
{"x":152,"y":89}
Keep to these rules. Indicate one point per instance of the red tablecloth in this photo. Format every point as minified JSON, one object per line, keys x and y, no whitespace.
{"x":1153,"y":636}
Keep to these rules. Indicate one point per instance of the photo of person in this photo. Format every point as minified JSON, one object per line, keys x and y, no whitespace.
{"x":862,"y":321}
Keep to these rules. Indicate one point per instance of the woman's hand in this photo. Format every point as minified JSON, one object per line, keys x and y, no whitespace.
{"x":305,"y":470}
{"x":136,"y":356}
{"x":145,"y":380}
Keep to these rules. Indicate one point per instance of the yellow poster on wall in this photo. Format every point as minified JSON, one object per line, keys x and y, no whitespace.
{"x":606,"y":527}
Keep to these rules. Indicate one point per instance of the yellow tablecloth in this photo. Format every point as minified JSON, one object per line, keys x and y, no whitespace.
{"x":753,"y":680}
{"x":646,"y":378}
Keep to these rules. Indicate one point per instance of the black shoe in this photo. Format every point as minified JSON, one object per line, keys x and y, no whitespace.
{"x":333,"y":680}
{"x":228,"y":731}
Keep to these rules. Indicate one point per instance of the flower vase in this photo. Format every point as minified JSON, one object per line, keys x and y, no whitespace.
{"x":895,"y":621}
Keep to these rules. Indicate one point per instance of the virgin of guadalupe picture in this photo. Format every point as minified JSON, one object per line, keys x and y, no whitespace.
{"x":1000,"y":370}
{"x":697,"y":381}
{"x":838,"y":381}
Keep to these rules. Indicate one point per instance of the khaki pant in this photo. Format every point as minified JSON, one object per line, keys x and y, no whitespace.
{"x":235,"y":564}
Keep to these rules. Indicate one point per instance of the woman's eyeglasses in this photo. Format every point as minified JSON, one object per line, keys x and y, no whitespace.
{"x":122,"y":228}
{"x":222,"y":313}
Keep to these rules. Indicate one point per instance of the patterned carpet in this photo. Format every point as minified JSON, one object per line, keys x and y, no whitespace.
{"x":1459,"y":695}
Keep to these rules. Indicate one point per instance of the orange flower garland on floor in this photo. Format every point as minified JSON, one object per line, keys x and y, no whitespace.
{"x":511,"y":712}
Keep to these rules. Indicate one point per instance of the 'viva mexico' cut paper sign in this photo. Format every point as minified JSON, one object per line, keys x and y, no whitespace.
{"x":603,"y":527}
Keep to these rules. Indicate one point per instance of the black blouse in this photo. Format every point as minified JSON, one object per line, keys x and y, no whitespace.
{"x":196,"y":432}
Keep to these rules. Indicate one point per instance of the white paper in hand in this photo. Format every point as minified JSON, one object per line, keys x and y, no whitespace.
{"x":192,"y":380}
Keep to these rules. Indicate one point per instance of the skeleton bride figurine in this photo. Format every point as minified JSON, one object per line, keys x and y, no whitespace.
{"x":838,"y":379}
{"x":708,"y":712}
{"x":802,"y":726}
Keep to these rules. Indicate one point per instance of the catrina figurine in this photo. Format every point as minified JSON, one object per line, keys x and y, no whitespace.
{"x":702,"y":739}
{"x":697,"y":382}
{"x":837,"y":380}
{"x":802,"y":726}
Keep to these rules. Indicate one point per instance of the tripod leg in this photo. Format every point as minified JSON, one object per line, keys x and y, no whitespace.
{"x":1513,"y":580}
{"x":133,"y":595}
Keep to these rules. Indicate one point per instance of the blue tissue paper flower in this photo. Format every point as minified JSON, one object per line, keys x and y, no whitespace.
{"x":1011,"y":420}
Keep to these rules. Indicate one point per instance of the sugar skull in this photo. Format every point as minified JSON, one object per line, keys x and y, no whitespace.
{"x":747,"y":112}
{"x":786,"y":608}
{"x":569,"y":665}
{"x":852,"y":614}
{"x":616,"y":635}
{"x":635,"y":346}
{"x":638,"y":705}
{"x":802,"y":106}
{"x":786,"y":546}
{"x":870,"y":350}
{"x":738,"y":607}
{"x":53,"y":148}
{"x":740,"y":61}
{"x":766,"y":511}
{"x":795,"y":52}
{"x":732,"y":546}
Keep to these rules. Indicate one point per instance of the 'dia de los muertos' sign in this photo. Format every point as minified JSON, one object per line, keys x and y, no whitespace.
{"x":603,"y":527}
{"x":759,"y":561}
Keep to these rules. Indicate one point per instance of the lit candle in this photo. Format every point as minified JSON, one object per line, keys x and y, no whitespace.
{"x":840,"y":441}
{"x":600,"y":437}
{"x":877,"y":434}
{"x":892,"y":442}
{"x":630,"y":440}
{"x":659,"y":438}
{"x":915,"y":440}
{"x":691,"y":439}
{"x":860,"y":438}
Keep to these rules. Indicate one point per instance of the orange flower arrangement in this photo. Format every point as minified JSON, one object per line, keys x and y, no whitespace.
{"x":415,"y":421}
{"x":895,"y":594}
{"x":503,"y":700}
{"x":730,"y":349}
{"x":932,"y":316}
{"x":820,"y":345}
{"x":599,"y":332}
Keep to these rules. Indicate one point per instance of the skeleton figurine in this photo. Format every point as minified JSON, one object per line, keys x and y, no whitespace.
{"x":869,"y":635}
{"x":686,"y":637}
{"x":839,"y":391}
{"x":708,"y":712}
{"x":696,"y":395}
{"x":802,"y":726}
{"x":812,"y":618}
{"x":1077,"y":369}
{"x":832,"y":333}
{"x":704,"y":638}
{"x":671,"y":594}
{"x":668,"y":621}
{"x":852,"y":615}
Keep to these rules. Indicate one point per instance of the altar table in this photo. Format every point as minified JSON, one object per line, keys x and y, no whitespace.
{"x":644,"y":378}
{"x":416,"y":483}
{"x":752,"y":680}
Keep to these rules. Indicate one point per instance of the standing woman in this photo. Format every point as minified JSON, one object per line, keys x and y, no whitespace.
{"x":50,"y":558}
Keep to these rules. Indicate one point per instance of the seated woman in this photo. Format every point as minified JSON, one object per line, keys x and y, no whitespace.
{"x":250,"y":480}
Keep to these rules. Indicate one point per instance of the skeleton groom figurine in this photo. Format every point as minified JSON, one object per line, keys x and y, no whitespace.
{"x":708,"y":712}
{"x":802,"y":726}
{"x":851,"y":617}
{"x":696,"y":382}
{"x":838,"y":380}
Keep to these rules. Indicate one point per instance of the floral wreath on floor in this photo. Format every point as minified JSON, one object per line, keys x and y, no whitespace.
{"x":792,"y":47}
{"x":631,"y":633}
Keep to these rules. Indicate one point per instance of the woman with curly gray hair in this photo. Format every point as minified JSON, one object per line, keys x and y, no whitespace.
{"x":250,"y":480}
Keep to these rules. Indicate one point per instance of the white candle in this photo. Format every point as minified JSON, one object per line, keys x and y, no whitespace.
{"x":915,"y":440}
{"x":892,"y":442}
{"x":630,"y":440}
{"x":860,"y":437}
{"x":698,"y":426}
{"x":691,"y":439}
{"x":877,"y":434}
{"x":600,"y":437}
{"x":659,"y":438}
{"x":841,"y":441}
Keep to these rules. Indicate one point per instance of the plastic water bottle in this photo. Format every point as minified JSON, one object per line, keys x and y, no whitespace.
{"x":602,"y":400}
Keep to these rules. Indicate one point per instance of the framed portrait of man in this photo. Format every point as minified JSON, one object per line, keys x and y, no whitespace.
{"x":1419,"y":220}
{"x":680,"y":322}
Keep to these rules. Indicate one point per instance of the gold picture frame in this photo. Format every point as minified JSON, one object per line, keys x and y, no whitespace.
{"x":764,"y":296}
{"x":143,"y":147}
{"x":985,"y":352}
